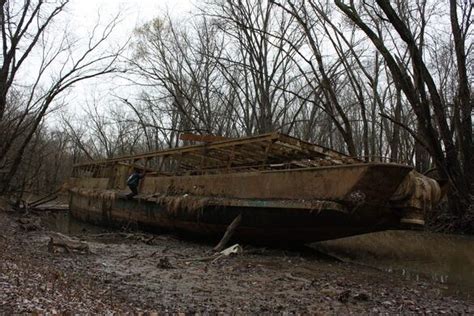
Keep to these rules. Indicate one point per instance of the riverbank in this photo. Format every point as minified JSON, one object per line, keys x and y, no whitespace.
{"x":131,"y":272}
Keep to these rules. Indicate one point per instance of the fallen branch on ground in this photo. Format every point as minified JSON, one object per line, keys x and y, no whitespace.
{"x":235,"y":249}
{"x":35,"y":205}
{"x":47,"y":198}
{"x":228,"y":233}
{"x":67,"y":243}
{"x":126,"y":235}
{"x":295,"y":278}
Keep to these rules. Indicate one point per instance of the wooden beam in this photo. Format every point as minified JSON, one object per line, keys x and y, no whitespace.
{"x":202,"y":138}
{"x":180,"y":150}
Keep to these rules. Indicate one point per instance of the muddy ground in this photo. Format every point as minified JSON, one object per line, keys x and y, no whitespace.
{"x":134,"y":272}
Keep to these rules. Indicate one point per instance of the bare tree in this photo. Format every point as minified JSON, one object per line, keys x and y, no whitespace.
{"x":451,"y":157}
{"x":258,"y":62}
{"x":179,"y":75}
{"x":25,"y":26}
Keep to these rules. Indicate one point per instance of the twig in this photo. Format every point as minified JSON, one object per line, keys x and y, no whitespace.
{"x":208,"y":258}
{"x":68,"y":244}
{"x":292,"y":277}
{"x":130,"y":257}
{"x":149,"y":240}
{"x":217,"y":258}
{"x":126,"y":235}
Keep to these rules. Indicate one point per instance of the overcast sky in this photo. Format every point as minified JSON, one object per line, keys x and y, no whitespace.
{"x":82,"y":15}
{"x":134,"y":11}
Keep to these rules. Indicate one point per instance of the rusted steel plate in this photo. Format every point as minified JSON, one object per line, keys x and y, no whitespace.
{"x":314,"y":205}
{"x":260,"y":223}
{"x":374,"y":181}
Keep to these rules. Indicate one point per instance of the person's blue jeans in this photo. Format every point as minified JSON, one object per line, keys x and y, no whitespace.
{"x":134,"y":190}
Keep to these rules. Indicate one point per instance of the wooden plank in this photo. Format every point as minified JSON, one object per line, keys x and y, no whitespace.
{"x":180,"y":150}
{"x":202,"y":138}
{"x":247,"y":153}
{"x":315,"y":148}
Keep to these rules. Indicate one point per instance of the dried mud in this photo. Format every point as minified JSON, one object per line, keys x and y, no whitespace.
{"x":130,"y":272}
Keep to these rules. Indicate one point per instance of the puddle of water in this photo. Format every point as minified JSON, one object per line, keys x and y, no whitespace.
{"x":446,"y":259}
{"x":62,"y":222}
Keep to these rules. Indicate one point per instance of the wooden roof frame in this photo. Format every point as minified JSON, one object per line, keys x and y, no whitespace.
{"x":238,"y":152}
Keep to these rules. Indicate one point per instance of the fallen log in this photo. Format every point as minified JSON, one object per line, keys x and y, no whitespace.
{"x":42,"y":199}
{"x":49,"y":207}
{"x":36,"y":205}
{"x":66,"y":243}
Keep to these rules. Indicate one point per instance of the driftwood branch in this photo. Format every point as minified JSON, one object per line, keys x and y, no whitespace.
{"x":43,"y":202}
{"x":44,"y":199}
{"x":67,"y":243}
{"x":228,"y":233}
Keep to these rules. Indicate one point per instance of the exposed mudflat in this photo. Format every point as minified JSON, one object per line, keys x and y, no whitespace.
{"x":131,"y":272}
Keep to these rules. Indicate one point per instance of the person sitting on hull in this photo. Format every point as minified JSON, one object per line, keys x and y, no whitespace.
{"x":133,"y":181}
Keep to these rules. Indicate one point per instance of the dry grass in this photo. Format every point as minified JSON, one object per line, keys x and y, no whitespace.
{"x":441,"y":219}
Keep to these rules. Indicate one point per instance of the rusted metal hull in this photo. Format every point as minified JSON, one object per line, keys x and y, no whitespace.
{"x":259,"y":224}
{"x":302,"y":205}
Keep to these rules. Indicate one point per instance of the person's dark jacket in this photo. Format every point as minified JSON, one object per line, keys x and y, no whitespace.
{"x":134,"y":179}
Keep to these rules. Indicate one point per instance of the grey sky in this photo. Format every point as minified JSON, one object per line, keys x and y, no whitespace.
{"x":134,"y":11}
{"x":81,"y":17}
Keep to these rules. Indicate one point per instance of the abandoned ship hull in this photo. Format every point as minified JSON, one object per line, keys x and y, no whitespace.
{"x":258,"y":224}
{"x":303,"y":205}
